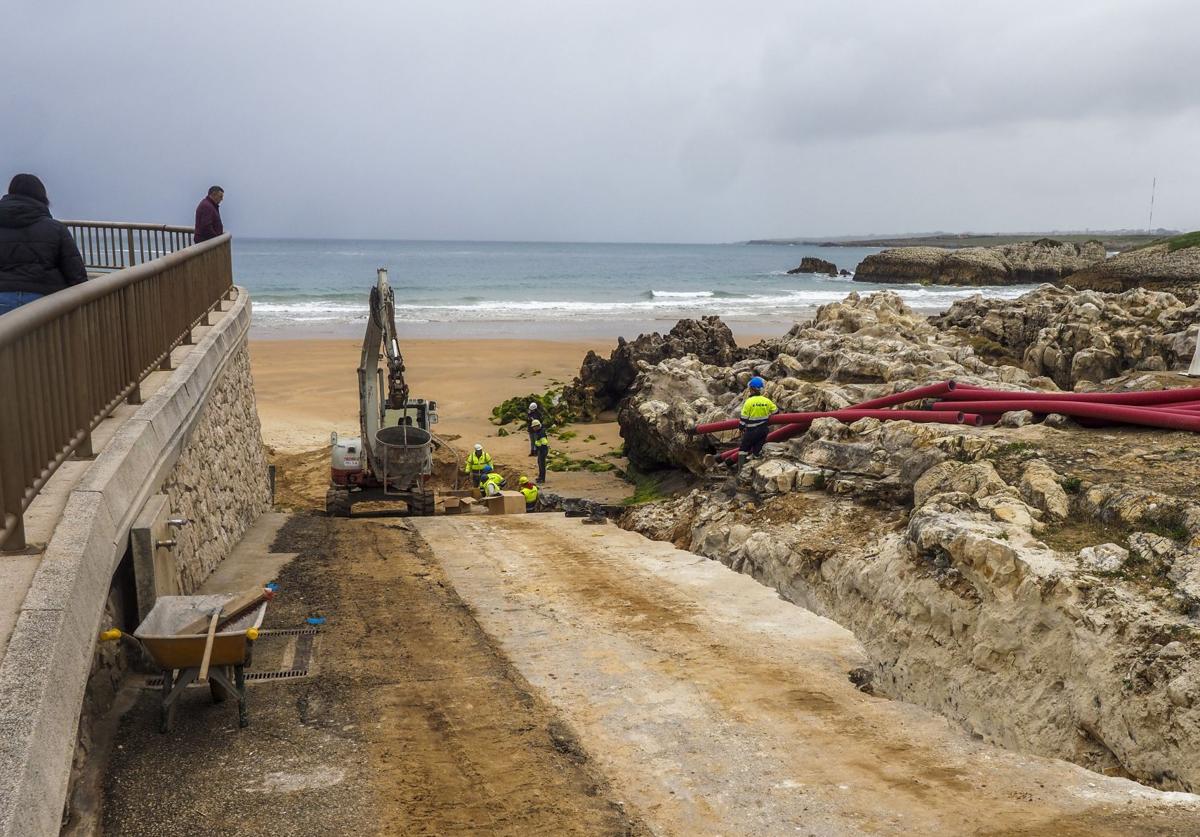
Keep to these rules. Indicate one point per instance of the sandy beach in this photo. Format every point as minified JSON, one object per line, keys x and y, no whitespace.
{"x":307,"y":388}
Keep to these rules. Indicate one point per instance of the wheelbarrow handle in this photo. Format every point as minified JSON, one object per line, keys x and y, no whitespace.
{"x":208,"y":646}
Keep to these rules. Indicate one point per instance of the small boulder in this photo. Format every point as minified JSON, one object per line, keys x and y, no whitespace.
{"x":1015,"y":418}
{"x":774,"y":476}
{"x":1103,"y":558}
{"x":976,"y":479}
{"x":1040,"y":487}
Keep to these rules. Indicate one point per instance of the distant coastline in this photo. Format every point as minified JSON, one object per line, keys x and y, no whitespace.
{"x":1111,"y":239}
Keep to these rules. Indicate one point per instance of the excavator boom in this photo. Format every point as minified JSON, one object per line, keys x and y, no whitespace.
{"x":392,"y":457}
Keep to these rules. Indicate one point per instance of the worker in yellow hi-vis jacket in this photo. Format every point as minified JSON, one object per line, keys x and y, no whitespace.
{"x":476,"y":461}
{"x":757,"y":409}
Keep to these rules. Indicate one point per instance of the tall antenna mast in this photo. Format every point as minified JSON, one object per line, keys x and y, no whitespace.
{"x":1153,"y":186}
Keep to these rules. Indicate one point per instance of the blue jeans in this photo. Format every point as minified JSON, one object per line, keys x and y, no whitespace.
{"x":15,"y":299}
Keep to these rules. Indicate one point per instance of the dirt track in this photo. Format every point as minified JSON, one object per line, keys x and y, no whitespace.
{"x":413,"y":724}
{"x":534,"y":675}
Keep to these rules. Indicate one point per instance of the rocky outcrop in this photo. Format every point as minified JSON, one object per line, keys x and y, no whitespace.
{"x":1073,"y":337}
{"x":603,"y":382}
{"x":961,"y":604}
{"x":1014,"y":578}
{"x":860,"y":348}
{"x":1157,"y":267}
{"x":1044,"y":260}
{"x":1047,"y":260}
{"x":810,"y":264}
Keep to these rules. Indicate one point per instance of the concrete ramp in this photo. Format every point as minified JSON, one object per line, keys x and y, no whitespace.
{"x":715,"y":707}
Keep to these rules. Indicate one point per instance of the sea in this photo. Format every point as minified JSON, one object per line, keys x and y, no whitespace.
{"x":303,"y":288}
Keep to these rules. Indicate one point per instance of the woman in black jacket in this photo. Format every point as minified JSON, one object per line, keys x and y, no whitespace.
{"x":38,"y":256}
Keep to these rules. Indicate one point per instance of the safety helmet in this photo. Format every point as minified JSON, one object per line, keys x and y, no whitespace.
{"x":479,"y":448}
{"x":535,"y":423}
{"x":523,"y":480}
{"x":487,"y":469}
{"x":532,"y":406}
{"x":757,"y":383}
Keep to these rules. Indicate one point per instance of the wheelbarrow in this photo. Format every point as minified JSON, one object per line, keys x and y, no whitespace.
{"x":218,"y":656}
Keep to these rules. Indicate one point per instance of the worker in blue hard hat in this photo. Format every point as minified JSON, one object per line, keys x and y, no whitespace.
{"x":492,"y":481}
{"x":757,"y":410}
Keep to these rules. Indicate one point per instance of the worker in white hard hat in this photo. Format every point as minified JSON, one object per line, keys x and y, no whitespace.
{"x":476,"y":460}
{"x":534,"y":413}
{"x":542,"y":446}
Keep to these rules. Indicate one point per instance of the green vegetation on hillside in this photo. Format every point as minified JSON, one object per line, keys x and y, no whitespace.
{"x":1177,"y":242}
{"x":1184,"y":241}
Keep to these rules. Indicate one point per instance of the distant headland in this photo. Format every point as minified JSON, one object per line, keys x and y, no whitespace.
{"x":1111,"y":239}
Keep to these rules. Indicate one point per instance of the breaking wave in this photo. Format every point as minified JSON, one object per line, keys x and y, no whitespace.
{"x":654,"y":305}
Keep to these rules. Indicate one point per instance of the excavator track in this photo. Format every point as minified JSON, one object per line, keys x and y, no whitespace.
{"x":337,"y":502}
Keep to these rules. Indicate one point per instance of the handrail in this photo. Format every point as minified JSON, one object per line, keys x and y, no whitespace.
{"x":68,"y":359}
{"x":113,"y":245}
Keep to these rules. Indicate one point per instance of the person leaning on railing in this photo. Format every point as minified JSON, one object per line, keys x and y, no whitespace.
{"x":38,"y":256}
{"x":208,"y":215}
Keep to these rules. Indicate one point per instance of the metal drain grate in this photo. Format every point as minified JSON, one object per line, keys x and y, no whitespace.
{"x":251,"y":677}
{"x":299,"y":660}
{"x":293,"y":674}
{"x":288,"y":632}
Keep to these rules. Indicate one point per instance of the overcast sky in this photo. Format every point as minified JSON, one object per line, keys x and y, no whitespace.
{"x":609,"y":121}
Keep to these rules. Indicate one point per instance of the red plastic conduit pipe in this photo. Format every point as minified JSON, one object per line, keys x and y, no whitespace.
{"x":801,"y":421}
{"x":1138,"y":399}
{"x":930,"y":391}
{"x":1124,"y":413}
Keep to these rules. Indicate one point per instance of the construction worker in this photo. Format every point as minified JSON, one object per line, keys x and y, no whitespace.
{"x":492,"y":482}
{"x":541,"y":445}
{"x":476,"y":461}
{"x":534,"y":413}
{"x":529,"y":491}
{"x":757,"y":409}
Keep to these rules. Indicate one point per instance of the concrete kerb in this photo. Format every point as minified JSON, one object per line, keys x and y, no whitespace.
{"x":44,"y":672}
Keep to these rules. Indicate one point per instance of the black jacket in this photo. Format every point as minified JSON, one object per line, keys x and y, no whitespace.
{"x":37,"y":253}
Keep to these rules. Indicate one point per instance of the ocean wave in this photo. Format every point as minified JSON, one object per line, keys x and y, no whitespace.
{"x":680,"y":294}
{"x":792,"y":302}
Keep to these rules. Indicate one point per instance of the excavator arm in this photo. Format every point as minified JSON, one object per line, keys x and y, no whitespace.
{"x":383,"y":314}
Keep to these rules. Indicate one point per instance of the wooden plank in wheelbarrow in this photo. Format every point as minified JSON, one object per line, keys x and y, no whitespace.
{"x":232,"y":609}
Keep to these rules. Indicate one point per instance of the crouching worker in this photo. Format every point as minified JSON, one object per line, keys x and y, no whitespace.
{"x":529,"y":491}
{"x":754,"y":421}
{"x":492,"y":482}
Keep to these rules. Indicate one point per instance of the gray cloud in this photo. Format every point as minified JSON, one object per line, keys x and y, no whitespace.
{"x":614,"y":121}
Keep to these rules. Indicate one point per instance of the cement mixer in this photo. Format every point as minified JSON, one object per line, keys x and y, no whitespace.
{"x":392,"y":458}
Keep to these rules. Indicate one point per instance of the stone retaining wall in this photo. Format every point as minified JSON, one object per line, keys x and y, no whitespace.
{"x":197,"y":438}
{"x":220,"y":480}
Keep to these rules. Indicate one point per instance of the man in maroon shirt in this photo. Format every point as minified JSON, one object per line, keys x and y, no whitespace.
{"x":208,"y":215}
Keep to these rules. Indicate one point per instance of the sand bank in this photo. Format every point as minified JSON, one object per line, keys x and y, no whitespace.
{"x":308,"y":388}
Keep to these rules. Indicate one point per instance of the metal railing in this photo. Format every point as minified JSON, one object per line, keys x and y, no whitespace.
{"x":67,"y":360}
{"x":113,"y":245}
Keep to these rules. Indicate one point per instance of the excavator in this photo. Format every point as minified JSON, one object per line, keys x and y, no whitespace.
{"x":392,"y":457}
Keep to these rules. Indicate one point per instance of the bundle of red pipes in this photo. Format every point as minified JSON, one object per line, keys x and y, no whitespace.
{"x":1174,"y":409}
